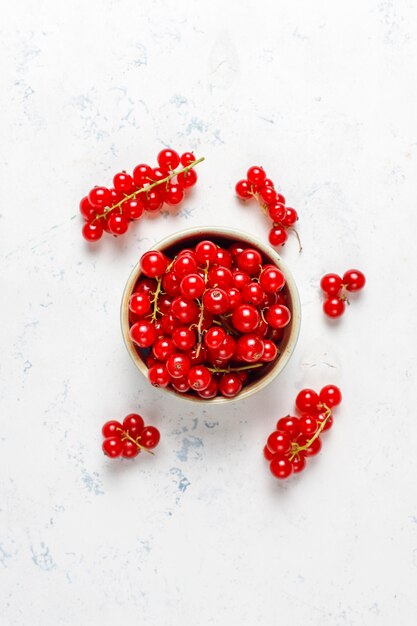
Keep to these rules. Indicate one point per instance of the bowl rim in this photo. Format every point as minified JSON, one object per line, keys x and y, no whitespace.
{"x":268,"y":251}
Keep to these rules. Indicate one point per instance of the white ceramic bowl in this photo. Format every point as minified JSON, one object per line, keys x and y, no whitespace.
{"x":190,"y":237}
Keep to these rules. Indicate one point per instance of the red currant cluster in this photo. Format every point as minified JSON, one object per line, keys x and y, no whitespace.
{"x":297,"y":438}
{"x":112,"y":210}
{"x":209,"y":319}
{"x":257,"y":185}
{"x":335,"y":289}
{"x":129,"y":438}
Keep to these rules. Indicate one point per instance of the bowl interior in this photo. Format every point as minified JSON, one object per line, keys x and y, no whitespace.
{"x":224,"y":238}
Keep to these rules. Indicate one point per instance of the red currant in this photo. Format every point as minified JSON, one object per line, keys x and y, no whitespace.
{"x":163,"y":348}
{"x":280,"y":467}
{"x":181,"y":385}
{"x":330,"y":395}
{"x":277,"y":212}
{"x":142,"y":174}
{"x":289,"y":424}
{"x":112,"y":447}
{"x":268,"y":195}
{"x":354,"y":280}
{"x":184,"y":264}
{"x":245,"y":318}
{"x":277,"y":236}
{"x":117,"y":223}
{"x":99,"y":197}
{"x":173,"y":193}
{"x":243,"y":189}
{"x":256,"y":176}
{"x":149,"y":437}
{"x":298,"y":463}
{"x":178,"y":365}
{"x":168,"y":159}
{"x":171,"y":284}
{"x":214,"y":337}
{"x":211,"y":391}
{"x":249,"y":261}
{"x":92,"y":231}
{"x":130,"y":449}
{"x":183,"y":338}
{"x":216,"y":301}
{"x":290,"y":217}
{"x":279,"y":441}
{"x":159,"y":376}
{"x":139,"y":303}
{"x":87,"y":210}
{"x":278,"y":316}
{"x":230,"y":385}
{"x":143,"y":334}
{"x":313,"y":448}
{"x":187,"y":179}
{"x":133,"y":209}
{"x":206,"y":251}
{"x":333,"y":307}
{"x":307,"y":425}
{"x":224,"y":258}
{"x":331,"y":284}
{"x":133,"y":422}
{"x":199,"y":377}
{"x":307,"y":401}
{"x":240,"y":279}
{"x":235,"y":297}
{"x":112,"y":429}
{"x":271,"y":279}
{"x":267,"y":453}
{"x":184,"y":310}
{"x":123,"y":183}
{"x":187,"y":158}
{"x":153,"y":263}
{"x":270,"y":352}
{"x":253,"y":294}
{"x":249,"y":348}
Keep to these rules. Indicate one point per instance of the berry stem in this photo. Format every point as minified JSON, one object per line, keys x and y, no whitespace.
{"x":125,"y":435}
{"x":156,"y":183}
{"x":297,"y":449}
{"x":235,"y":369}
{"x":201,"y":318}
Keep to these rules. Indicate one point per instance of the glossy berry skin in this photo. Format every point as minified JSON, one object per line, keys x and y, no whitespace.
{"x":163,"y":348}
{"x":253,"y":294}
{"x":334,"y":307}
{"x":178,"y":365}
{"x":249,"y":261}
{"x":280,"y":467}
{"x":123,"y":183}
{"x":199,"y":377}
{"x":171,"y":284}
{"x":330,"y":395}
{"x":112,"y":429}
{"x":187,"y":179}
{"x":220,"y":277}
{"x":235,"y":297}
{"x":270,"y":352}
{"x":243,"y":189}
{"x":277,"y":211}
{"x":354,"y":280}
{"x":331,"y":284}
{"x":139,"y":303}
{"x":183,"y":338}
{"x":117,"y":223}
{"x":226,"y":349}
{"x":187,"y":158}
{"x":184,"y":310}
{"x":87,"y":210}
{"x":181,"y":385}
{"x":142,"y":174}
{"x":290,"y":217}
{"x":245,"y":318}
{"x":159,"y":376}
{"x":216,"y":301}
{"x":214,"y":337}
{"x":130,"y":449}
{"x":152,"y":200}
{"x":277,"y":236}
{"x":112,"y":447}
{"x":133,"y":209}
{"x":298,"y":463}
{"x":240,"y":279}
{"x":183,"y":265}
{"x":133,"y":421}
{"x":268,"y":455}
{"x":278,"y":316}
{"x":289,"y":424}
{"x":206,"y":251}
{"x":256,"y":176}
{"x":249,"y":348}
{"x":149,"y":437}
{"x":271,"y":279}
{"x":153,"y":263}
{"x":99,"y":197}
{"x":268,"y":195}
{"x":279,"y":441}
{"x":168,"y":159}
{"x":307,"y":425}
{"x":211,"y":391}
{"x":192,"y":286}
{"x":230,"y":385}
{"x":307,"y":401}
{"x":313,"y":449}
{"x":329,"y":421}
{"x":143,"y":333}
{"x":224,"y":258}
{"x":92,"y":231}
{"x":173,"y":193}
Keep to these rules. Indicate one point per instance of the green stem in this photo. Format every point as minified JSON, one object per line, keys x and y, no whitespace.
{"x":235,"y":369}
{"x":297,"y":449}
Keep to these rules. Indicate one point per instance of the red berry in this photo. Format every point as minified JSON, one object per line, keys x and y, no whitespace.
{"x":276,"y":211}
{"x":289,"y":424}
{"x":268,"y":195}
{"x":178,"y":365}
{"x":184,"y":265}
{"x":331,"y":284}
{"x":92,"y":231}
{"x":206,"y":251}
{"x":224,"y":258}
{"x":271,"y":279}
{"x":187,"y":158}
{"x":253,"y":294}
{"x":230,"y":385}
{"x":183,"y":338}
{"x":147,"y":285}
{"x":235,"y":297}
{"x":153,"y":263}
{"x":187,"y":179}
{"x":163,"y":348}
{"x":117,"y":223}
{"x":133,"y":209}
{"x":268,"y":183}
{"x":143,"y":334}
{"x":280,"y":467}
{"x":307,"y":425}
{"x":249,"y":348}
{"x":313,"y":448}
{"x":216,"y":301}
{"x":184,"y":310}
{"x":168,"y":159}
{"x":171,"y":284}
{"x":220,"y":277}
{"x":152,"y":200}
{"x":123,"y":183}
{"x":270,"y":351}
{"x":99,"y":197}
{"x":330,"y":395}
{"x":235,"y":249}
{"x":112,"y":447}
{"x":256,"y":176}
{"x":226,"y":349}
{"x":279,"y":441}
{"x":181,"y":385}
{"x":142,"y":174}
{"x":159,"y":376}
{"x":211,"y":391}
{"x":173,"y":193}
{"x":267,"y":453}
{"x":354,"y":280}
{"x":139,"y":303}
{"x":290,"y":216}
{"x":149,"y":437}
{"x":112,"y":429}
{"x":329,"y":421}
{"x":130,"y":449}
{"x":243,"y":189}
{"x":87,"y":210}
{"x":333,"y":307}
{"x":199,"y":377}
{"x":249,"y":261}
{"x":307,"y":401}
{"x":277,"y":236}
{"x":197,"y":354}
{"x":240,"y":279}
{"x":298,"y":463}
{"x":133,"y":422}
{"x":278,"y":316}
{"x":169,"y":323}
{"x":159,"y":174}
{"x":214,"y":337}
{"x":245,"y":318}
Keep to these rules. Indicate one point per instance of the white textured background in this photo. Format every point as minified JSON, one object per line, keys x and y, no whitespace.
{"x":324,"y":95}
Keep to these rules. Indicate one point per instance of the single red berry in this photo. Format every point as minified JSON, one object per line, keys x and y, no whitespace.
{"x":225,"y":351}
{"x":249,"y":261}
{"x":230,"y":385}
{"x":307,"y":401}
{"x":354,"y":280}
{"x":139,"y":303}
{"x":216,"y":301}
{"x":178,"y":365}
{"x":276,"y":211}
{"x":270,"y":351}
{"x":143,"y":334}
{"x":235,"y":249}
{"x":279,"y":441}
{"x":329,"y":421}
{"x":87,"y":210}
{"x":253,"y":294}
{"x":184,"y":265}
{"x":171,"y":284}
{"x":92,"y":231}
{"x":243,"y":189}
{"x":187,"y":158}
{"x":280,"y":467}
{"x":267,"y":453}
{"x":152,"y":200}
{"x":245,"y":318}
{"x":331,"y":284}
{"x":163,"y":348}
{"x":159,"y":174}
{"x":330,"y":395}
{"x":112,"y":447}
{"x":240,"y":279}
{"x":181,"y":385}
{"x":235,"y":297}
{"x":289,"y":424}
{"x":307,"y":425}
{"x":268,"y":195}
{"x":117,"y":223}
{"x":268,"y":183}
{"x":147,"y":285}
{"x":277,"y":236}
{"x":168,"y":159}
{"x":153,"y":263}
{"x":256,"y":176}
{"x":262,"y":329}
{"x":214,"y":337}
{"x":334,"y":307}
{"x":187,"y":179}
{"x":173,"y":193}
{"x":271,"y":279}
{"x":159,"y":376}
{"x":298,"y":463}
{"x":149,"y":437}
{"x":133,"y":423}
{"x":211,"y":391}
{"x":197,"y":354}
{"x":290,"y":217}
{"x":224,"y":258}
{"x":112,"y":429}
{"x":206,"y":251}
{"x":123,"y":183}
{"x":249,"y":348}
{"x":183,"y":338}
{"x":184,"y":310}
{"x":99,"y":197}
{"x":142,"y":174}
{"x":199,"y":377}
{"x":280,"y":198}
{"x":169,"y":323}
{"x":278,"y":316}
{"x":130,"y":449}
{"x":220,"y":277}
{"x":133,"y":209}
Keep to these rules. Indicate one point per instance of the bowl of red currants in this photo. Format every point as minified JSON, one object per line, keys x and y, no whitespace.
{"x":210,"y":315}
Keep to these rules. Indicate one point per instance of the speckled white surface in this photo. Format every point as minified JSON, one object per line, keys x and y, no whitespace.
{"x":324,"y":96}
